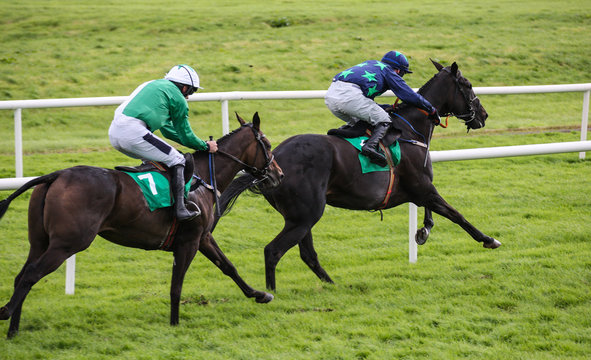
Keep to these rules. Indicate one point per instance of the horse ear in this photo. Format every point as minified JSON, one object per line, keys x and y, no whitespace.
{"x":256,"y":121}
{"x":454,"y":69}
{"x":438,"y":66}
{"x":240,"y":120}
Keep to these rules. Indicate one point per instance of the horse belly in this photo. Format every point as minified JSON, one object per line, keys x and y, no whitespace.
{"x":357,"y":191}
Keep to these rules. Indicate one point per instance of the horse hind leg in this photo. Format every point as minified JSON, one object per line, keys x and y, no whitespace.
{"x":34,"y":253}
{"x":39,"y":241}
{"x":31,"y":274}
{"x":423,"y":233}
{"x":309,"y":256}
{"x":291,"y":234}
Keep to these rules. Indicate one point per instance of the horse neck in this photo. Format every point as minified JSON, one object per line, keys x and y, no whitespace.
{"x":439,"y":91}
{"x":225,"y":168}
{"x":435,"y":92}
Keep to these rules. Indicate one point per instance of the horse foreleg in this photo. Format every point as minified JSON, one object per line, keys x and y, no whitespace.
{"x":183,"y":256}
{"x":440,"y":206}
{"x":309,"y":256}
{"x":211,"y":250}
{"x":423,"y":233}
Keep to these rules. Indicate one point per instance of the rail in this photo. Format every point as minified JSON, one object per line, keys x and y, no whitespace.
{"x":224,"y":97}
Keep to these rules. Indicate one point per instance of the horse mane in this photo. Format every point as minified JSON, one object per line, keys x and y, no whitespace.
{"x":422,"y":90}
{"x":232,"y":192}
{"x":427,"y":85}
{"x":223,"y":138}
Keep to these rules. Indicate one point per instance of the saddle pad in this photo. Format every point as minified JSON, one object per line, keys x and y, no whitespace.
{"x":156,"y":188}
{"x":366,"y":165}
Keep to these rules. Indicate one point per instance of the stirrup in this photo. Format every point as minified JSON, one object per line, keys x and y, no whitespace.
{"x":192,"y":207}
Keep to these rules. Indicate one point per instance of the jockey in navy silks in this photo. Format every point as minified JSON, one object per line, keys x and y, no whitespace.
{"x":351,"y":95}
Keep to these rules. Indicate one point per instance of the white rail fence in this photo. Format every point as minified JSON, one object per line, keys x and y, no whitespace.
{"x":449,"y":155}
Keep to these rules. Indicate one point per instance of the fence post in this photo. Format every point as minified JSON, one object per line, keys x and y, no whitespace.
{"x":412,"y":230}
{"x":225,"y":117}
{"x":70,"y":274}
{"x":18,"y":143}
{"x":584,"y":120}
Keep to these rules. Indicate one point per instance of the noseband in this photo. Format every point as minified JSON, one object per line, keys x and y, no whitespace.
{"x":259,"y":173}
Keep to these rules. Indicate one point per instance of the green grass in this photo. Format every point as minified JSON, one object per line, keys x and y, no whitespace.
{"x":529,"y":299}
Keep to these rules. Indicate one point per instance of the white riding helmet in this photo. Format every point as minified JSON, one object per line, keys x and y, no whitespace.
{"x":183,"y":74}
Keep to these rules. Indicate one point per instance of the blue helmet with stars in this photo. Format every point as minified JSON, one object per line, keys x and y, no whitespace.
{"x":397,"y":60}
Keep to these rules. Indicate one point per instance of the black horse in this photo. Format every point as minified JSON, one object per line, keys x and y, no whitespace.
{"x":323,"y":169}
{"x":69,"y":207}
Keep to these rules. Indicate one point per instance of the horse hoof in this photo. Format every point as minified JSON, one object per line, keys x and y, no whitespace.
{"x":4,"y":315}
{"x":265,"y":298}
{"x":421,"y":236}
{"x":492,"y":245}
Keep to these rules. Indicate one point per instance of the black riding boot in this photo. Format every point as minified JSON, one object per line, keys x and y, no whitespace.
{"x":178,"y":193}
{"x":370,"y":148}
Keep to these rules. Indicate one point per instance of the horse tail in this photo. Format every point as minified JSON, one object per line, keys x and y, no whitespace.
{"x":46,"y":179}
{"x":231,"y":193}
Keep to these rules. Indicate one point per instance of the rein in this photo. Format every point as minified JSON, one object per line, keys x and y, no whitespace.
{"x":253,"y":170}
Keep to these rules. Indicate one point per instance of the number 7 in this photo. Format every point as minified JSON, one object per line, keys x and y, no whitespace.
{"x":150,"y":179}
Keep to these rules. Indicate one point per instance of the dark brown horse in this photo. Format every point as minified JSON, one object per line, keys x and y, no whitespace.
{"x":323,"y":169}
{"x":68,"y":208}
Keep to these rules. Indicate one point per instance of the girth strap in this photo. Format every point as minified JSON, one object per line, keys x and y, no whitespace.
{"x":390,"y":162}
{"x":167,"y":243}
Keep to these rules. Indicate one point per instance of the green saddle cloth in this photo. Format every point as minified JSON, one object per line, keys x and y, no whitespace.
{"x":156,"y":188}
{"x":366,"y":165}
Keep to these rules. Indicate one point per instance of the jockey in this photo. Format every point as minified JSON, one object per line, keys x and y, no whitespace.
{"x":161,"y":105}
{"x":351,"y":95}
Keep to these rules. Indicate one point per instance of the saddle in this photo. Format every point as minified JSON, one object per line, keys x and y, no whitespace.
{"x":361,"y":129}
{"x":163,"y":169}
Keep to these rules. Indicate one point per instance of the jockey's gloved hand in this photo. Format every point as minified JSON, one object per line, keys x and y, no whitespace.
{"x":434,"y":117}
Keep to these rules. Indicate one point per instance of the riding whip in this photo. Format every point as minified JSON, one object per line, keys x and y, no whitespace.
{"x":428,"y":143}
{"x":212,"y":179}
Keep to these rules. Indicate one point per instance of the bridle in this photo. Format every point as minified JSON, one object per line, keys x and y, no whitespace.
{"x":261,"y":174}
{"x":472,"y":102}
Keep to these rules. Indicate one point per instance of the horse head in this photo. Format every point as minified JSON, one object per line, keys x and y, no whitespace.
{"x":459,"y":99}
{"x":257,"y":158}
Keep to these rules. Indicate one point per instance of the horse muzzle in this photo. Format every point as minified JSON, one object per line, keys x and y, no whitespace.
{"x":272,"y":177}
{"x":275,"y":175}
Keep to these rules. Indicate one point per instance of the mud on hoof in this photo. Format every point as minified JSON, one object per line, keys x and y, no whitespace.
{"x":421,"y":236}
{"x":492,"y":244}
{"x":264,"y":298}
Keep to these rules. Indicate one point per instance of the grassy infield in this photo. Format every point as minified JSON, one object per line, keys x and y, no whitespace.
{"x":529,"y":299}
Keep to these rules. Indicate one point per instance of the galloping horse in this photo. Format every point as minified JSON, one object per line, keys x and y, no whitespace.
{"x":69,"y":207}
{"x":323,"y":169}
